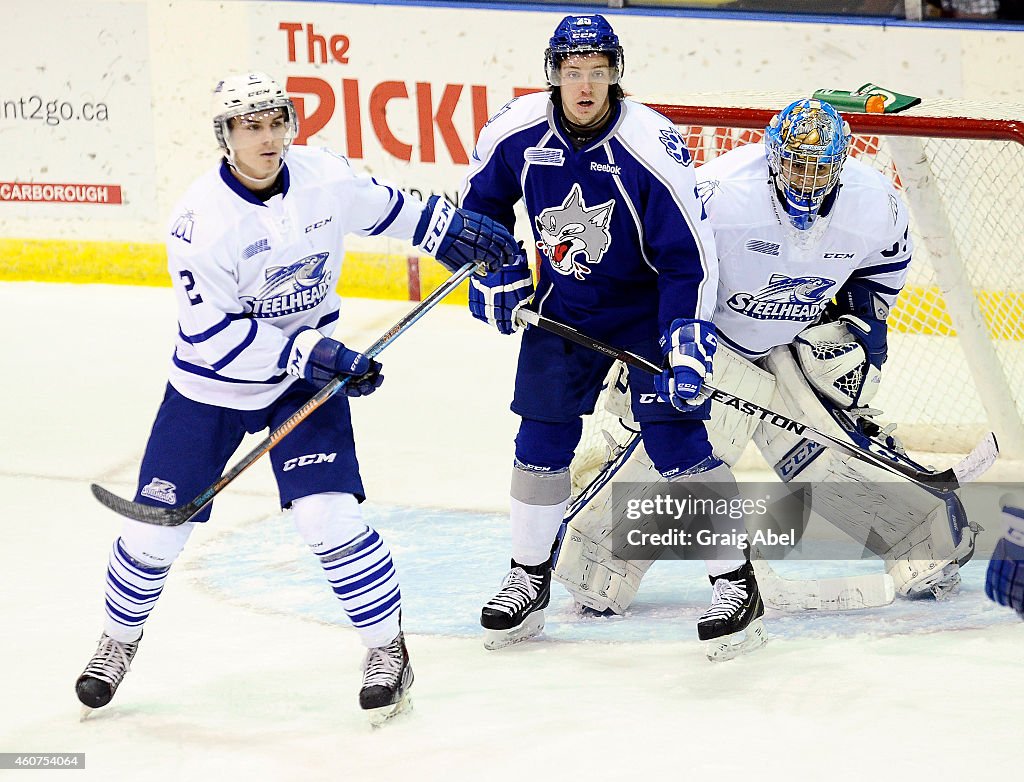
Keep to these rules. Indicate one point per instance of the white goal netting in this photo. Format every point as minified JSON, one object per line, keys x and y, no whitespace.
{"x":956,"y":359}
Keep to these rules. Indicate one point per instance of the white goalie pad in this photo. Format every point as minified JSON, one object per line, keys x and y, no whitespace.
{"x":922,"y":535}
{"x":584,"y":562}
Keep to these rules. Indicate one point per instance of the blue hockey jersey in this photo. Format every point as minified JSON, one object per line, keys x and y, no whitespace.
{"x":626,"y":245}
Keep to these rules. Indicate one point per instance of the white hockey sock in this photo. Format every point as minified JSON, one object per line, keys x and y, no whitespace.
{"x":357,"y":562}
{"x":539,"y":500}
{"x":533,"y":530}
{"x":363,"y":578}
{"x":719,"y":567}
{"x":131,"y":593}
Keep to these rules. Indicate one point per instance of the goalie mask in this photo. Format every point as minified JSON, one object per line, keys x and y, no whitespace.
{"x":806,"y":145}
{"x":582,"y":36}
{"x":252,"y":96}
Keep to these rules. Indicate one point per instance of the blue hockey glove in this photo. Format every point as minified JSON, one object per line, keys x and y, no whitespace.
{"x":320,"y":359}
{"x":1004,"y":582}
{"x":497,"y":296}
{"x":689,"y":349}
{"x":456,"y":237}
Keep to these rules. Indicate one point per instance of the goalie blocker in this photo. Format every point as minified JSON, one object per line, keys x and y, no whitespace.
{"x":922,"y":535}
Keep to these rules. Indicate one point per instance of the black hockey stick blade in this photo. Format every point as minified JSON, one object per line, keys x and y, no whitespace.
{"x":164,"y":517}
{"x":947,"y":480}
{"x":173,"y":517}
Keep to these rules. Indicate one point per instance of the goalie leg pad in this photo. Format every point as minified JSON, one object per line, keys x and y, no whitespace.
{"x":584,"y":563}
{"x":918,"y":533}
{"x":729,"y":429}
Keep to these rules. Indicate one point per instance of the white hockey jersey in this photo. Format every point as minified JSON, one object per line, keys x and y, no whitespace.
{"x":247,"y":274}
{"x":772,"y":284}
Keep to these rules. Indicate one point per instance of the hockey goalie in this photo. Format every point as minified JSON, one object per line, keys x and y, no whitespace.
{"x":813,"y":250}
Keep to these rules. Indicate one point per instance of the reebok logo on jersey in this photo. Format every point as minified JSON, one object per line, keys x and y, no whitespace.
{"x":800,"y":299}
{"x":309,"y":458}
{"x":573,"y":236}
{"x":182,"y":228}
{"x":607,"y":168}
{"x":542,"y":156}
{"x":161,"y":491}
{"x":294,"y":288}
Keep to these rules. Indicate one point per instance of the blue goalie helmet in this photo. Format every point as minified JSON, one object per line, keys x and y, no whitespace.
{"x":582,"y":35}
{"x":806,"y":145}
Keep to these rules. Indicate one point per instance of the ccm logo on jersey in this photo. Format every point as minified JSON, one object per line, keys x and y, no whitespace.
{"x":837,"y":255}
{"x":319,"y":224}
{"x":308,"y":459}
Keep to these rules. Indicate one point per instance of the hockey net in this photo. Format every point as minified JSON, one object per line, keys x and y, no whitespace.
{"x":956,"y":360}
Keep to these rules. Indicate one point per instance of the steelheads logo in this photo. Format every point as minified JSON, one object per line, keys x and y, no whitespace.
{"x":785,"y":298}
{"x":294,"y":288}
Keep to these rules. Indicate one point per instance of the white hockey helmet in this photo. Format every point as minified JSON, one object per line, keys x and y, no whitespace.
{"x":247,"y":93}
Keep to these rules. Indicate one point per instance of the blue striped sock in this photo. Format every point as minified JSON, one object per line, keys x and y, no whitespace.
{"x":364,"y":579}
{"x":131,"y":592}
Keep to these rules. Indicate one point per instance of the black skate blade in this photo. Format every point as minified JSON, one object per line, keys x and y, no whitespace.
{"x":728,"y":647}
{"x":530,"y":627}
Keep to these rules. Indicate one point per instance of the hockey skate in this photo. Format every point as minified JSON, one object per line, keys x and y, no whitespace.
{"x":516,"y":613}
{"x":105,"y":671}
{"x":387,"y":677}
{"x":732,"y":625}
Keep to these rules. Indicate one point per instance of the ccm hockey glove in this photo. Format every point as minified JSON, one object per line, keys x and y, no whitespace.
{"x":456,"y":237}
{"x":320,"y":359}
{"x":688,"y":347}
{"x":496,"y":297}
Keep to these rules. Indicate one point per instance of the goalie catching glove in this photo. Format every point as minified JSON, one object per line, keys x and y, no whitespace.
{"x":842,"y":359}
{"x":320,"y":359}
{"x":688,"y":347}
{"x":497,"y":296}
{"x":456,"y":237}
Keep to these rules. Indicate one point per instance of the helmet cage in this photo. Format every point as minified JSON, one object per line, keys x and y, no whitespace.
{"x":582,"y":35}
{"x":806,"y":145}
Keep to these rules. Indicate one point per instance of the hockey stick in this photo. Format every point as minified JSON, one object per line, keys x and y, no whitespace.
{"x":969,"y":468}
{"x":872,"y":590}
{"x":172,"y":517}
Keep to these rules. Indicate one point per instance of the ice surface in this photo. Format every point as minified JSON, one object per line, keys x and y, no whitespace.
{"x":248,"y":671}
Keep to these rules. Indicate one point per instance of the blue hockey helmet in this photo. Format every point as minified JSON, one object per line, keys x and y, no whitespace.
{"x":806,"y":145}
{"x":583,"y":34}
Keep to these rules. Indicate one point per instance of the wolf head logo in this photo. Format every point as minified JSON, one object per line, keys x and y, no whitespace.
{"x":574,"y":237}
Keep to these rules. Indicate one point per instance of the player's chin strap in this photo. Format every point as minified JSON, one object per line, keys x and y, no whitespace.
{"x":969,"y":468}
{"x":172,"y":517}
{"x":259,"y":184}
